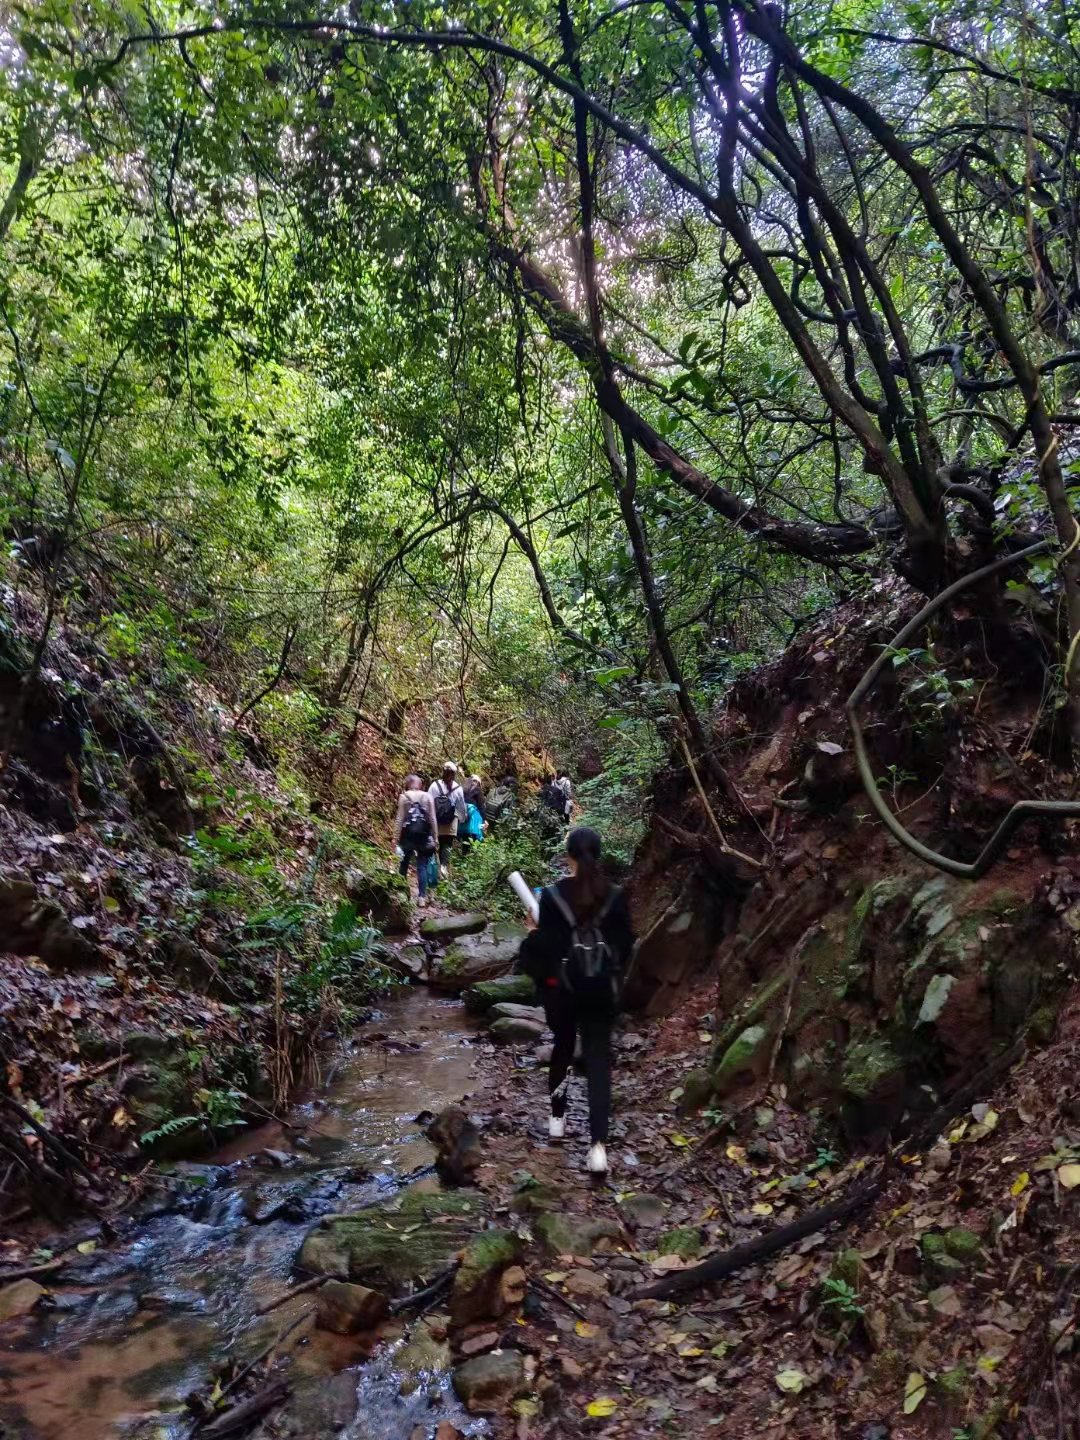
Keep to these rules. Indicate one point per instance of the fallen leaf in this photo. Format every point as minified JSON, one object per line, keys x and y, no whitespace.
{"x":914,"y":1392}
{"x":945,"y":1301}
{"x":680,"y":1141}
{"x":1020,"y":1184}
{"x":600,"y":1408}
{"x":736,"y":1153}
{"x":525,"y":1407}
{"x":587,"y":1330}
{"x":1069,"y":1176}
{"x":761,"y":1208}
{"x":86,"y":1247}
{"x":792,"y":1380}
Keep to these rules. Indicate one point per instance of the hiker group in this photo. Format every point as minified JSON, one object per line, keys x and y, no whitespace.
{"x":430,"y":822}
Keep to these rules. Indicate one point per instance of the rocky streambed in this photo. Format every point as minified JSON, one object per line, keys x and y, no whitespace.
{"x":116,"y":1340}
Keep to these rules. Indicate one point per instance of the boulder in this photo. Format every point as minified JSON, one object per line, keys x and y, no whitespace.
{"x":393,"y":1248}
{"x":506,"y":989}
{"x":488,"y":1384}
{"x":19,"y":1299}
{"x":346,"y":1308}
{"x":450,"y":927}
{"x":563,"y":1234}
{"x":477,"y":1293}
{"x":512,"y":1032}
{"x":408,"y":961}
{"x":34,"y":925}
{"x":472,"y":959}
{"x":743,"y":1060}
{"x":383,"y":895}
{"x":507,"y":1010}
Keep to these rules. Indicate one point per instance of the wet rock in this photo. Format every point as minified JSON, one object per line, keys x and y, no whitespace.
{"x":347,"y":1309}
{"x":19,"y":1299}
{"x":509,"y":1031}
{"x":506,"y":989}
{"x":448,"y":1431}
{"x":426,"y":1352}
{"x":393,"y":1248}
{"x":146,"y":1044}
{"x":449,"y":927}
{"x":489,"y":1383}
{"x":563,"y":1234}
{"x":457,"y":1142}
{"x":477,"y":1293}
{"x":471,"y":960}
{"x":408,"y":961}
{"x":507,"y":1010}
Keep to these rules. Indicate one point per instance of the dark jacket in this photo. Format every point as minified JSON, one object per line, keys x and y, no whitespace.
{"x":544,"y":949}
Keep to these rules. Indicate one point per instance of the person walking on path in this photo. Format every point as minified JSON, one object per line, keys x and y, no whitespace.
{"x":577,"y":954}
{"x":450,"y":811}
{"x":415,"y":828}
{"x":567,"y":790}
{"x":475,"y":826}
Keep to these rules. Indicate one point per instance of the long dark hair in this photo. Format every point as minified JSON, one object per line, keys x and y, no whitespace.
{"x":590,"y":884}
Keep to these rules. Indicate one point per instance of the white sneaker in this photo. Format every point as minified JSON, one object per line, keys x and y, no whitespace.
{"x":596,"y":1162}
{"x":557,"y":1127}
{"x":443,"y":871}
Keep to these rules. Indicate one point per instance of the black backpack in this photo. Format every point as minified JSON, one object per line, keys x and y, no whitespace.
{"x":590,"y":970}
{"x":445,"y":810}
{"x":553,"y":798}
{"x":417,"y":827}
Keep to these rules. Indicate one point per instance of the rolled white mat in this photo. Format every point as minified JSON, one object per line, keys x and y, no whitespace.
{"x":524,"y":894}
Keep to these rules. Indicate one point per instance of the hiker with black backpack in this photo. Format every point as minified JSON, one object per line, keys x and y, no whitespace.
{"x":577,"y":955}
{"x":415,"y":828}
{"x":450,"y":811}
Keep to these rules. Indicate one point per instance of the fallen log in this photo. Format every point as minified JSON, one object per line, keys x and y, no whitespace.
{"x":243,"y":1414}
{"x":717,"y":1267}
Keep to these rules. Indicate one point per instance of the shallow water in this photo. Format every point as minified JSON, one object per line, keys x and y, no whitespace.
{"x":137,"y":1326}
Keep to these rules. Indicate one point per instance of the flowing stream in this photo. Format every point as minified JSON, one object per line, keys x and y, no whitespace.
{"x":136,"y":1326}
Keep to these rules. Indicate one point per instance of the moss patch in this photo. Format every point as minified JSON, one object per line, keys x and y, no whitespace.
{"x":868,"y":1064}
{"x":740,"y":1059}
{"x":684,"y":1241}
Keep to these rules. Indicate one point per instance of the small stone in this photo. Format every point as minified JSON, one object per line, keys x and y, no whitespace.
{"x":509,"y":1031}
{"x":643,"y":1211}
{"x":449,"y":927}
{"x":570,"y":1368}
{"x":963,"y":1244}
{"x":940,"y":1157}
{"x":507,"y":1010}
{"x":19,"y":1299}
{"x":479,"y":1344}
{"x":447,"y":1431}
{"x":347,"y":1309}
{"x":586,"y":1283}
{"x":562,"y":1234}
{"x":487,"y":1384}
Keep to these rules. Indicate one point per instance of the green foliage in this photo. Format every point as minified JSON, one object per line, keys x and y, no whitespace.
{"x":344,"y":965}
{"x":176,"y":1125}
{"x":617,"y":802}
{"x":839,"y":1295}
{"x":478,"y":878}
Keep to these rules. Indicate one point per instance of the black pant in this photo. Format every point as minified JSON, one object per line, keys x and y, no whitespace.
{"x":446,"y":844}
{"x":567,"y":1020}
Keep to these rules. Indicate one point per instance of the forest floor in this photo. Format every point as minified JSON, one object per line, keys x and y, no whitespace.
{"x":940,"y":1311}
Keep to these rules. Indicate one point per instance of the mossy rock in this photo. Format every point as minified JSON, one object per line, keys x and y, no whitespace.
{"x":533,"y":1198}
{"x":952,"y":1386}
{"x":1043,"y":1024}
{"x":381,"y":894}
{"x":743,"y":1059}
{"x":870,"y":1065}
{"x":511,"y":989}
{"x":848,"y":1269}
{"x":394,"y":1248}
{"x":472,"y":960}
{"x":563,"y":1234}
{"x":684,"y":1241}
{"x":697,"y":1090}
{"x":475,"y":1295}
{"x":449,"y":927}
{"x":963,"y":1244}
